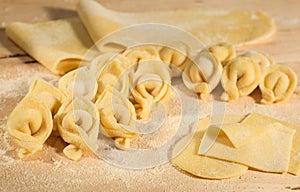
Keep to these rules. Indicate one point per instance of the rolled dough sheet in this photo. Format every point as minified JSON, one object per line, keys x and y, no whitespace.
{"x":210,"y":26}
{"x":269,"y":152}
{"x":59,"y":45}
{"x":294,"y":167}
{"x":201,"y":166}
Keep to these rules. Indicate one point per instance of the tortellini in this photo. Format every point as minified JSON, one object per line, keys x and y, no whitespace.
{"x":240,"y":77}
{"x":79,"y":82}
{"x":141,"y":53}
{"x":223,"y":52}
{"x":115,"y":74}
{"x":177,"y":56}
{"x":29,"y":125}
{"x":202,"y":75}
{"x":261,"y":59}
{"x":47,"y":94}
{"x":278,"y":83}
{"x":78,"y":124}
{"x":117,"y":117}
{"x":151,"y":84}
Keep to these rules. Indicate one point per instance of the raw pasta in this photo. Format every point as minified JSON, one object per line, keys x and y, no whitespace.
{"x":117,"y":117}
{"x":223,"y":52}
{"x":78,"y":124}
{"x":203,"y":74}
{"x":278,"y":83}
{"x":29,"y":125}
{"x":151,"y":84}
{"x":240,"y":77}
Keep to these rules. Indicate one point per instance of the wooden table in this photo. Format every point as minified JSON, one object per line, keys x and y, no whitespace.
{"x":17,"y":69}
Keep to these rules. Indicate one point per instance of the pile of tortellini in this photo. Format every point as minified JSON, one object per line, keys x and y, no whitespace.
{"x":115,"y":90}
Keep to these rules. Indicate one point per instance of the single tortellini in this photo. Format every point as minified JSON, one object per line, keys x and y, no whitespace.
{"x":202,"y":75}
{"x":151,"y":84}
{"x":240,"y":77}
{"x":29,"y":125}
{"x":115,"y":74}
{"x":176,"y":55}
{"x":223,"y":52}
{"x":78,"y":125}
{"x":81,"y":81}
{"x":141,"y":53}
{"x":48,"y":94}
{"x":263,"y":60}
{"x":278,"y":83}
{"x":117,"y":117}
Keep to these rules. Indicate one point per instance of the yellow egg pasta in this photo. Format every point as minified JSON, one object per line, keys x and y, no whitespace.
{"x":278,"y":83}
{"x":202,"y":75}
{"x":29,"y":125}
{"x":240,"y":77}
{"x":223,"y":52}
{"x":78,"y":124}
{"x":117,"y":117}
{"x":151,"y":84}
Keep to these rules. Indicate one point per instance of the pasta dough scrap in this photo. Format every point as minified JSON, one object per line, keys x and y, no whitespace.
{"x":202,"y":75}
{"x":81,"y":81}
{"x":117,"y":117}
{"x":78,"y":124}
{"x":223,"y":52}
{"x":48,"y":94}
{"x":29,"y":125}
{"x":201,"y":166}
{"x":176,"y":55}
{"x":151,"y":84}
{"x":259,"y":119}
{"x":58,"y":45}
{"x":278,"y":83}
{"x":240,"y":77}
{"x":270,"y":152}
{"x":209,"y":26}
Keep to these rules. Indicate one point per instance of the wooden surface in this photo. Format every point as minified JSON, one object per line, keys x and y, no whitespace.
{"x":18,"y":69}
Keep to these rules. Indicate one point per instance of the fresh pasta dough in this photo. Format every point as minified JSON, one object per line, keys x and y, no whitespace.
{"x":48,"y":94}
{"x":209,"y":26}
{"x":78,"y":125}
{"x":186,"y":158}
{"x":115,"y":74}
{"x":81,"y":81}
{"x":141,"y":53}
{"x":260,"y":120}
{"x":58,"y":45}
{"x":223,"y":52}
{"x":262,"y":59}
{"x":278,"y":83}
{"x":202,"y":75}
{"x":176,"y":55}
{"x":240,"y":77}
{"x":117,"y":117}
{"x":29,"y":125}
{"x":151,"y":84}
{"x":270,"y":151}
